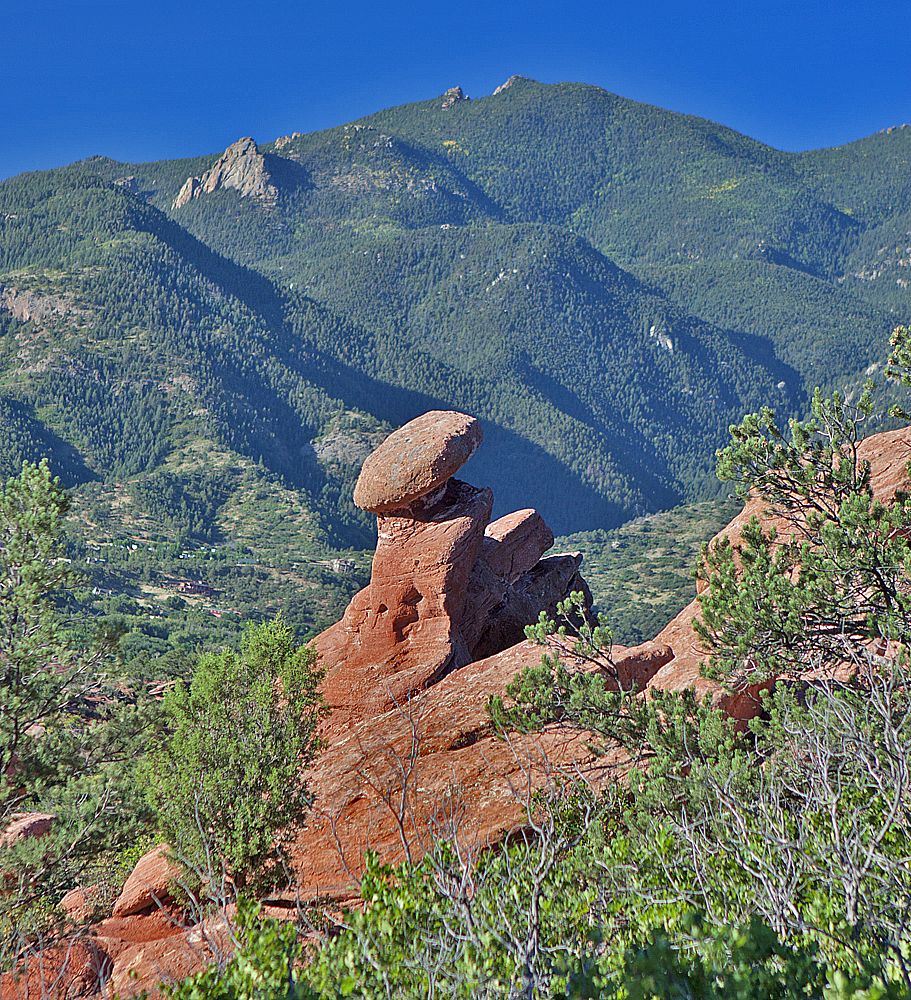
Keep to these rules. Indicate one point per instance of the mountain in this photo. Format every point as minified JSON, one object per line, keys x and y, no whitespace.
{"x":606,"y":284}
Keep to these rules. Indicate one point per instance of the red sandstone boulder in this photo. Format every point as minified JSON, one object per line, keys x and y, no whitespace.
{"x":69,"y":970}
{"x":508,"y":572}
{"x":80,"y":904}
{"x":635,"y":667}
{"x":123,"y":957}
{"x":513,"y":544}
{"x":148,"y":887}
{"x":416,"y":460}
{"x":25,"y":825}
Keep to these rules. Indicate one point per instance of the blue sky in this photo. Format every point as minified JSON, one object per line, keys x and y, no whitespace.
{"x":165,"y":79}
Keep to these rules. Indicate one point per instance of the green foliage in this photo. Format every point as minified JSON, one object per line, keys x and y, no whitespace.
{"x":795,"y":830}
{"x":706,"y":962}
{"x":263,"y":966}
{"x":68,"y":740}
{"x":831,"y":588}
{"x":227,"y":782}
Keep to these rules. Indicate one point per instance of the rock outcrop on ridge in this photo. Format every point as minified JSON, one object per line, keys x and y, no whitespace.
{"x":452,"y":96}
{"x":242,"y":167}
{"x":512,"y":81}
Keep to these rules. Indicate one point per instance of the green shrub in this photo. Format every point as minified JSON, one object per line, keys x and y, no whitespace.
{"x":227,"y":782}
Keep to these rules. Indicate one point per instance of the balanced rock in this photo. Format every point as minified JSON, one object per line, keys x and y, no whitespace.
{"x":447,"y":587}
{"x":409,"y":750}
{"x":416,"y":460}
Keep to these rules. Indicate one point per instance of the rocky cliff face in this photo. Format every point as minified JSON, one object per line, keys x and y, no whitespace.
{"x":242,"y":167}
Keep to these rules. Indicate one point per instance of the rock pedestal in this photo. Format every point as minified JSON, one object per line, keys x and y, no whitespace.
{"x":447,"y":587}
{"x":401,"y":632}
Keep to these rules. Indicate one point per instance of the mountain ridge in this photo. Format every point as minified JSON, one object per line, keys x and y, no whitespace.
{"x":606,"y":284}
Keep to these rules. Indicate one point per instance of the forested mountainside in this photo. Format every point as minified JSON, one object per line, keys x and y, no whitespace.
{"x":607,"y":285}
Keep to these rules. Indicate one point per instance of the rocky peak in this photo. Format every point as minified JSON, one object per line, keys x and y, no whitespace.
{"x":453,"y":95}
{"x":242,"y":167}
{"x":287,"y":140}
{"x":128,"y":184}
{"x":512,"y":81}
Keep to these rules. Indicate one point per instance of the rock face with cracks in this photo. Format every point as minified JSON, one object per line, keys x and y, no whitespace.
{"x":241,"y":167}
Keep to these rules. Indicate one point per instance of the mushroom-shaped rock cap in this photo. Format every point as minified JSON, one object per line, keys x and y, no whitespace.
{"x":416,"y":459}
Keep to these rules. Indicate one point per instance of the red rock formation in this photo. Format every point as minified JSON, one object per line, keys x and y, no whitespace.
{"x":148,"y":887}
{"x":410,"y":754}
{"x":26,"y":825}
{"x":400,"y":633}
{"x":513,"y":544}
{"x":888,"y":454}
{"x":446,"y":587}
